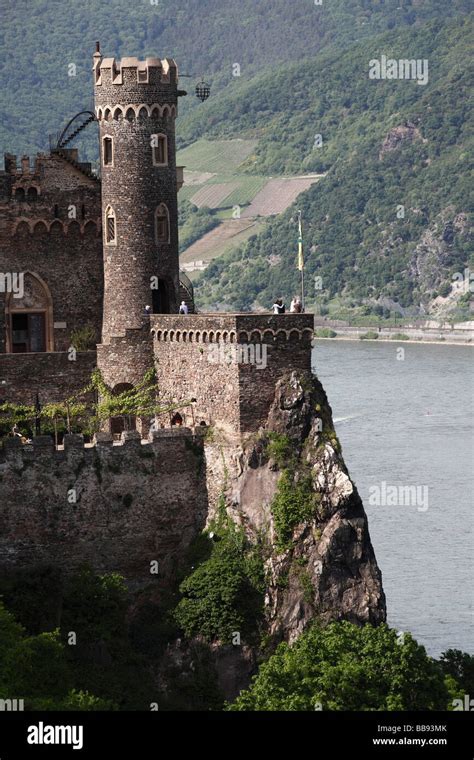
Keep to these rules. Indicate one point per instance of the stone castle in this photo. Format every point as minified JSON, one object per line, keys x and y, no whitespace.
{"x":97,"y":252}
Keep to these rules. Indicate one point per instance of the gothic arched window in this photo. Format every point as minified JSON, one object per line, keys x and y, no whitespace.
{"x":110,"y":226}
{"x":29,"y":315}
{"x":162,"y":224}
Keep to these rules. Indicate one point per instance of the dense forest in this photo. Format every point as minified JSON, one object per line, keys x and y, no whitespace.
{"x":45,"y":67}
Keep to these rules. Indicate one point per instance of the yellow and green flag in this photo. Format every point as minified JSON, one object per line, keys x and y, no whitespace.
{"x":300,"y":245}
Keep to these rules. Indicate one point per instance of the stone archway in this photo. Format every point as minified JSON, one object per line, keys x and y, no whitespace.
{"x":29,"y":316}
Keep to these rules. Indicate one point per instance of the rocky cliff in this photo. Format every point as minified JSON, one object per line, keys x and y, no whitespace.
{"x":289,"y":487}
{"x":288,"y":490}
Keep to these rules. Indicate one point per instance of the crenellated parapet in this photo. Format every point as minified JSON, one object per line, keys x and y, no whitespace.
{"x":151,"y":71}
{"x":42,"y":446}
{"x":152,"y":82}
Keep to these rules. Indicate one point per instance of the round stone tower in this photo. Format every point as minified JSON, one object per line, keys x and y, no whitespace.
{"x":136,"y":105}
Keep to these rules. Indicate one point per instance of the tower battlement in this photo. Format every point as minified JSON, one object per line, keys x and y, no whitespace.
{"x":131,"y":69}
{"x":130,"y":81}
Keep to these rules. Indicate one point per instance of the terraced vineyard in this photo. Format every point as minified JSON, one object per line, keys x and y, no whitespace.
{"x":213,"y":195}
{"x":278,"y":194}
{"x":227,"y":235}
{"x":219,"y":156}
{"x":212,"y":180}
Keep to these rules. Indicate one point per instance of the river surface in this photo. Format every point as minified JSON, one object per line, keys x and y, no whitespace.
{"x":408,"y":421}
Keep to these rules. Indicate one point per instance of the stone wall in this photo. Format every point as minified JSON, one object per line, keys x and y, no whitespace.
{"x":125,"y":359}
{"x":229,"y":363}
{"x":56,"y":236}
{"x":52,"y":375}
{"x":117,"y":507}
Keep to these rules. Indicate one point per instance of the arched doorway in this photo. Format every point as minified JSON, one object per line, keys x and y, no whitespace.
{"x":123,"y":422}
{"x":177,"y":420}
{"x":161,"y":298}
{"x":29,"y":316}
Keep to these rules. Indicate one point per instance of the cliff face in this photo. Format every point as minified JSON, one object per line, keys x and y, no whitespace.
{"x":288,"y":487}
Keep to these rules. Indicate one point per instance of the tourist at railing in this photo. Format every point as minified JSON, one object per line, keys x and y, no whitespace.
{"x":278,"y":307}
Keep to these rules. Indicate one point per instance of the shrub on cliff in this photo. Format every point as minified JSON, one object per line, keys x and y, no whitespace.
{"x":224,"y":595}
{"x":294,"y":502}
{"x":345,"y":667}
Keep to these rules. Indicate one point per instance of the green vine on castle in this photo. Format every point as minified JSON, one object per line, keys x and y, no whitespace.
{"x":76,"y":414}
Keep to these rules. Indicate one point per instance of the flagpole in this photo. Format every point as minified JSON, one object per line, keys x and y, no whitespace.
{"x":301,"y":257}
{"x":302,"y":289}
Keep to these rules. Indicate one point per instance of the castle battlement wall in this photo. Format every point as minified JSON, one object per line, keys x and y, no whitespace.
{"x":116,"y":507}
{"x":229,"y":363}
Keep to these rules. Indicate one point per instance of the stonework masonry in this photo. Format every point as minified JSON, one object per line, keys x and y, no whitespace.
{"x":194,"y":359}
{"x":50,"y":227}
{"x":113,"y":506}
{"x":126,"y":358}
{"x":52,"y":375}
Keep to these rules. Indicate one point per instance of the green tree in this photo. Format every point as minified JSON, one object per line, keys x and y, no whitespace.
{"x":35,"y":669}
{"x":460,"y":666}
{"x":224,"y":595}
{"x":346,"y":667}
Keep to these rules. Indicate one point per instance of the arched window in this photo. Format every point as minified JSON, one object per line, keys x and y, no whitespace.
{"x":110,"y":226}
{"x":159,"y":146}
{"x":20,"y":194}
{"x":29,"y":316}
{"x":162,"y":224}
{"x":107,"y":151}
{"x":32,"y":194}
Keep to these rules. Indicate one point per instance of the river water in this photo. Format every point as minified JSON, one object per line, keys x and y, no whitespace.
{"x":407,"y":420}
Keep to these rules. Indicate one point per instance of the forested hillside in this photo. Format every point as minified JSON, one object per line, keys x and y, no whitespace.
{"x":303,"y":74}
{"x":41,"y":40}
{"x":385,"y":145}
